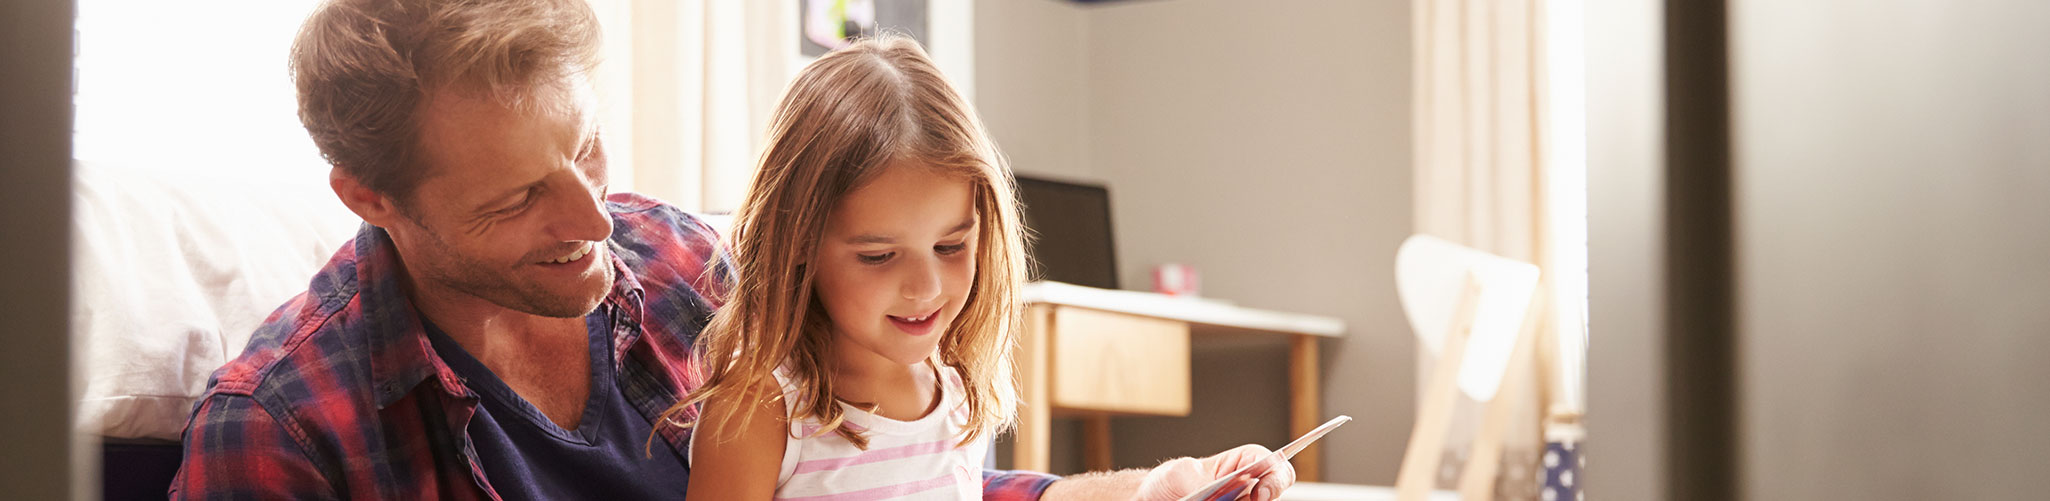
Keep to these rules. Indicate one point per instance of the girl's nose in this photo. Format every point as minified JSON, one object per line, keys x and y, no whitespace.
{"x":923,"y":284}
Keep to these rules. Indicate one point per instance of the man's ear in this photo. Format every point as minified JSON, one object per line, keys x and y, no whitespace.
{"x":373,"y":207}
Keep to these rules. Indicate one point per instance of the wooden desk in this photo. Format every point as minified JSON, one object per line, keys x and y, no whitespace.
{"x":1097,"y":353}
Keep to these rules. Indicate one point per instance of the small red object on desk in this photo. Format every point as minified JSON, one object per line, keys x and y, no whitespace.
{"x":1175,"y":279}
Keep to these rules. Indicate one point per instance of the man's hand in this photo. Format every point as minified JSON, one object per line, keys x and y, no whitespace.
{"x":1183,"y":476}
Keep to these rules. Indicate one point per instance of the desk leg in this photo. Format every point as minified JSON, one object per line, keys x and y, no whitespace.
{"x":1096,"y":442}
{"x":1304,"y":406}
{"x":1033,"y":450}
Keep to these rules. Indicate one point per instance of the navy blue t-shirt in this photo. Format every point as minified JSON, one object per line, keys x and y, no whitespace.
{"x":526,"y":456}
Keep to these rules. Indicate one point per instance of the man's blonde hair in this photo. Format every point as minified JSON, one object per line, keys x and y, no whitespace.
{"x":364,"y":67}
{"x":847,"y":117}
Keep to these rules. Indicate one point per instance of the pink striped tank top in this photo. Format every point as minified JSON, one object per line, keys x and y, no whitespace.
{"x":916,"y":460}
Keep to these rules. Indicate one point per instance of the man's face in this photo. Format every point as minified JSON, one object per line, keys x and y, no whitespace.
{"x":512,"y":208}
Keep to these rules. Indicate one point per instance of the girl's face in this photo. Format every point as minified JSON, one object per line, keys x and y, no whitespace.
{"x":896,"y":265}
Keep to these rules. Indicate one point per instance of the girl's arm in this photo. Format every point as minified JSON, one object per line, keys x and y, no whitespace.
{"x":738,"y":458}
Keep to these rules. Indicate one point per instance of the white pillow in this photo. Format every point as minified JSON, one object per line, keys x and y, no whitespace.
{"x":171,"y":273}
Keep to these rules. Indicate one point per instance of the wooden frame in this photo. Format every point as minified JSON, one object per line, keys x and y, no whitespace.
{"x":1427,"y":439}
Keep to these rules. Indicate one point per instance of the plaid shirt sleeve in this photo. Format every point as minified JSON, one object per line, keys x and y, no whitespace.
{"x":1000,"y":485}
{"x":234,"y":449}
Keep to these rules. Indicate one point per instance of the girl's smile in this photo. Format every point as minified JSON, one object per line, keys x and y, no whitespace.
{"x":916,"y":326}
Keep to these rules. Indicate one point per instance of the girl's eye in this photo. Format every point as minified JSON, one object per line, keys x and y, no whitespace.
{"x":949,"y":250}
{"x":875,"y":258}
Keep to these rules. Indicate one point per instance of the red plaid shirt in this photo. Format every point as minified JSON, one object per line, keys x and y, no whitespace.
{"x":340,"y":396}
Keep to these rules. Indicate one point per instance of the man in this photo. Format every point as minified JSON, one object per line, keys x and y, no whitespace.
{"x":501,"y":327}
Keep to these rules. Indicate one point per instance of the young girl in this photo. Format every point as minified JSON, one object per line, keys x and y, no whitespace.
{"x":865,"y":350}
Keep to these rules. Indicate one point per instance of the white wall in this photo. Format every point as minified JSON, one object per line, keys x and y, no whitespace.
{"x":1264,"y":143}
{"x":1893,"y":244}
{"x":1031,"y":60}
{"x":1031,"y":57}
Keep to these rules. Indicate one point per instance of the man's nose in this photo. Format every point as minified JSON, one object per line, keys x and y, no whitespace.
{"x":582,"y":217}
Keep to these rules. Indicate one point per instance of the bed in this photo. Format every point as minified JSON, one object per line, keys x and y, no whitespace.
{"x":172,"y":271}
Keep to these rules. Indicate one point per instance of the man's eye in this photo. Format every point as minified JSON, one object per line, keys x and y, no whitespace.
{"x":949,"y":250}
{"x":875,"y":258}
{"x":516,"y":206}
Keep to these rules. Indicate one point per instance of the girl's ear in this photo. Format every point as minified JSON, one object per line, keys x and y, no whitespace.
{"x":806,"y":257}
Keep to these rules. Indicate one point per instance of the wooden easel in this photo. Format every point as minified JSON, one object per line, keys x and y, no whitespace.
{"x":1427,"y":440}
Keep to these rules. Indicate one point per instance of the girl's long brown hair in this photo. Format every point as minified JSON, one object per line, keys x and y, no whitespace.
{"x":844,"y":118}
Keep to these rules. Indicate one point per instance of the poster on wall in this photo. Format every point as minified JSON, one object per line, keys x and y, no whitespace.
{"x":825,"y":25}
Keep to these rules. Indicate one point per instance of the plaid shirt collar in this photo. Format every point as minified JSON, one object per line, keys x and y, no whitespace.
{"x":400,"y":355}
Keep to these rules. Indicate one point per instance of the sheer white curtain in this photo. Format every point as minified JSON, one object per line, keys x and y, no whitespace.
{"x":1499,"y":167}
{"x":685,"y":86}
{"x":191,"y":86}
{"x":689,"y":85}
